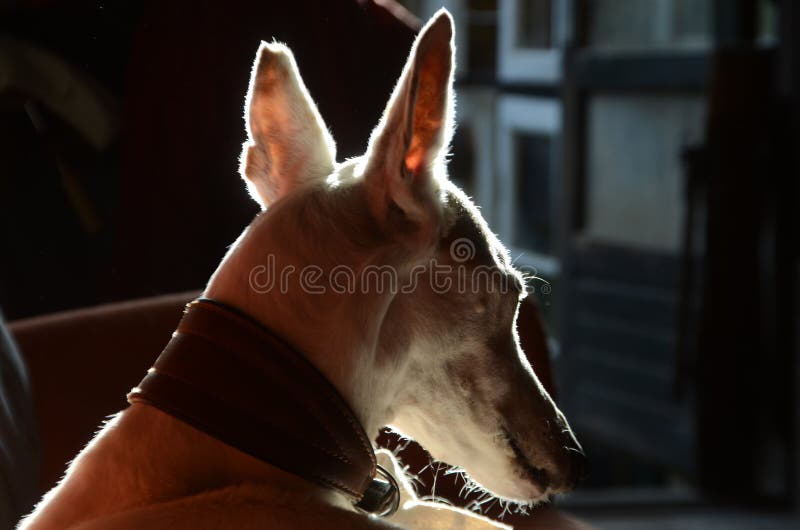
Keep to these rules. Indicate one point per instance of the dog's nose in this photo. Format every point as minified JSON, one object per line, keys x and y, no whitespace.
{"x":578,"y":464}
{"x":572,"y":469}
{"x":574,"y":460}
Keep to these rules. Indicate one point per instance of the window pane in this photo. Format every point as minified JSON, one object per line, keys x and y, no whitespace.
{"x":534,"y":30}
{"x":634,"y":174}
{"x":767,"y":33}
{"x":482,"y":48}
{"x":461,"y":168}
{"x":534,"y":219}
{"x":646,"y":24}
{"x":482,"y":5}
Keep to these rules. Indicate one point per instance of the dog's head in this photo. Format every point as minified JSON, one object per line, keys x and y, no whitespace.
{"x":438,"y":352}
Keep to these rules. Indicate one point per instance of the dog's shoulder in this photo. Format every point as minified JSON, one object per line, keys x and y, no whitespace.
{"x":239,"y":507}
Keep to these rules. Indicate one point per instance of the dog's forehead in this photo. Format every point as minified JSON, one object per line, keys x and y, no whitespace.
{"x":465,"y":225}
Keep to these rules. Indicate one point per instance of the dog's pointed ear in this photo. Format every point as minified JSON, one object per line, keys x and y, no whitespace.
{"x":407,"y":150}
{"x":287,"y":144}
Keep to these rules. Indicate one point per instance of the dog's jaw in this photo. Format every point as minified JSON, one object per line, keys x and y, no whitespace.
{"x":491,"y":462}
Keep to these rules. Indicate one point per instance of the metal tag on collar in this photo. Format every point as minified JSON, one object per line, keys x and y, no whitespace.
{"x":382,"y":497}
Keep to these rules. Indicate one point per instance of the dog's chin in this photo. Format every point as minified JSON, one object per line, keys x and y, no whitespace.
{"x":515,"y":486}
{"x":526,"y":470}
{"x":499,"y":466}
{"x":518,"y":481}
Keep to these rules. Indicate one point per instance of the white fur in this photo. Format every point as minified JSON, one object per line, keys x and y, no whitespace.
{"x":443,"y":368}
{"x":287,"y":142}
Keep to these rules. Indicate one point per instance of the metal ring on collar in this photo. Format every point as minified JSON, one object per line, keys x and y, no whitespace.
{"x":382,"y":497}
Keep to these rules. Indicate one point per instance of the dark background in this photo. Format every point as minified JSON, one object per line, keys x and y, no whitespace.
{"x":152,"y":203}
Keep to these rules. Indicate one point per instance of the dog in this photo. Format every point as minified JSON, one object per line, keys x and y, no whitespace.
{"x":433,"y":355}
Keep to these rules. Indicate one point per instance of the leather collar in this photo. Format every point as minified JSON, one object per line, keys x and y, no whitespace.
{"x":230,"y":377}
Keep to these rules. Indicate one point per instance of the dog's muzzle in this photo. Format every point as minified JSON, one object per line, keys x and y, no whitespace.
{"x":228,"y":376}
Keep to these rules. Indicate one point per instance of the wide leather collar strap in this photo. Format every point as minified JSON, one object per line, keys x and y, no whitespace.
{"x":230,"y":377}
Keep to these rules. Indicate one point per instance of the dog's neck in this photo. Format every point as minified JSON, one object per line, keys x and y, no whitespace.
{"x":342,"y":335}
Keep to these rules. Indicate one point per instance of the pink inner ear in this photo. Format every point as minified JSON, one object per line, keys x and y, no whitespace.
{"x":432,"y":80}
{"x":414,"y":158}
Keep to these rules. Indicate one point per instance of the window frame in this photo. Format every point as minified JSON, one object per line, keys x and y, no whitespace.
{"x":531,"y":65}
{"x":533,"y":115}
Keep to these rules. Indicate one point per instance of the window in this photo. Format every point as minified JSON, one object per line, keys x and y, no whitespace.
{"x":531,"y":35}
{"x":634,"y":176}
{"x":527,"y":140}
{"x":633,"y":25}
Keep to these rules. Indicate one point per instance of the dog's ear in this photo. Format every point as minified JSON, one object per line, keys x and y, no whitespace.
{"x":287,"y":144}
{"x":405,"y":159}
